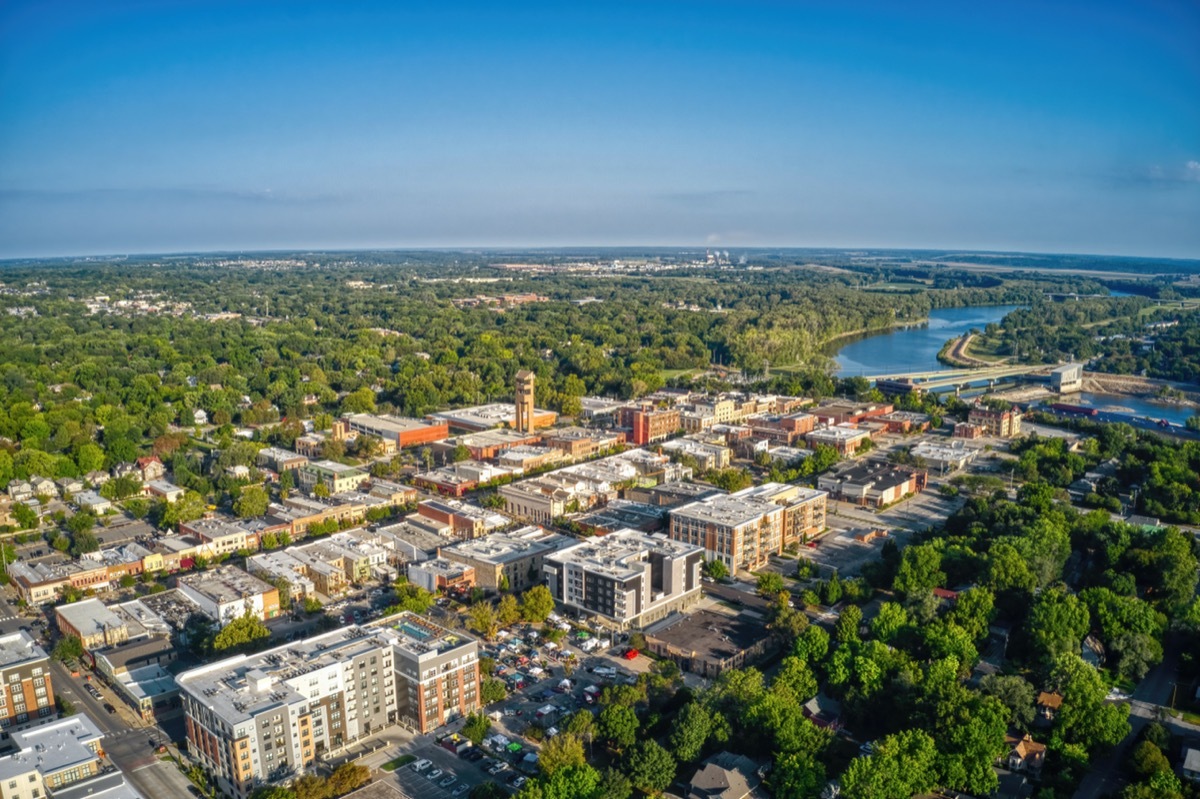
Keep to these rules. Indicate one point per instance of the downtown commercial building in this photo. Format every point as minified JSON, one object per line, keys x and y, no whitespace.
{"x":266,"y":718}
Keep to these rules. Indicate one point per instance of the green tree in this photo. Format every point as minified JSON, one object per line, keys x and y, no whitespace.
{"x":562,"y":751}
{"x":252,"y":502}
{"x":650,"y":767}
{"x":241,"y":634}
{"x":614,"y":785}
{"x":25,"y":516}
{"x":412,"y":598}
{"x":618,"y":724}
{"x":1015,"y":693}
{"x":1085,"y":718}
{"x":770,"y":584}
{"x":797,"y":775}
{"x":716,"y":569}
{"x":68,"y":648}
{"x":1057,"y":623}
{"x":1146,"y":760}
{"x":508,"y":610}
{"x":187,"y":508}
{"x":492,"y":690}
{"x":920,"y":570}
{"x":537,"y":604}
{"x":482,"y":619}
{"x":84,"y":542}
{"x":348,"y":777}
{"x":320,"y":490}
{"x":360,"y":400}
{"x":889,"y":622}
{"x":476,"y":727}
{"x":690,"y":732}
{"x":571,"y":782}
{"x":83,"y":521}
{"x":89,"y":457}
{"x":847,"y":626}
{"x":902,"y":765}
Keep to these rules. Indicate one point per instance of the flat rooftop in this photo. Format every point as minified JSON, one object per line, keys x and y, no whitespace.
{"x":240,"y":687}
{"x":622,"y":554}
{"x":332,"y":467}
{"x":621,"y":513}
{"x":19,"y":647}
{"x":726,"y":510}
{"x":709,"y":635}
{"x":837,"y":433}
{"x":386,"y":423}
{"x":507,"y":547}
{"x":52,"y":747}
{"x":224,"y":584}
{"x":481,"y":417}
{"x":495,"y":438}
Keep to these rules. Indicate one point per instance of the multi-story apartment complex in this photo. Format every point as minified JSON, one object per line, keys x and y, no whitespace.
{"x":337,"y":477}
{"x":628,"y":578}
{"x":258,"y":719}
{"x":507,"y":561}
{"x":803,"y":508}
{"x":26,"y":690}
{"x":740,"y":531}
{"x":226,"y":593}
{"x":998,"y":423}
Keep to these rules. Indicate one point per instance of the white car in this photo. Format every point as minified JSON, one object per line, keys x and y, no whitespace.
{"x":433,"y":775}
{"x":421,"y":765}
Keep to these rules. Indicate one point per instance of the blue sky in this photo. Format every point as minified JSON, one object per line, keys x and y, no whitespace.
{"x":184,"y":126}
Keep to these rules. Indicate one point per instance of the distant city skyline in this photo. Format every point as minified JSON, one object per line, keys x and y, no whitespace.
{"x":161,"y":127}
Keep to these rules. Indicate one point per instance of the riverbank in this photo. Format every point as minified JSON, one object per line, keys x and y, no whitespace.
{"x":957,"y":353}
{"x":1133,"y":386}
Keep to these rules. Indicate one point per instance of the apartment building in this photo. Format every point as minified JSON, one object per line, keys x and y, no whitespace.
{"x":998,"y":423}
{"x":507,"y":560}
{"x":337,"y":477}
{"x":226,"y":593}
{"x":26,"y":688}
{"x":707,"y":456}
{"x":627,"y":578}
{"x":647,"y":424}
{"x":265,"y":718}
{"x":804,"y":508}
{"x":741,"y":531}
{"x":488,"y":444}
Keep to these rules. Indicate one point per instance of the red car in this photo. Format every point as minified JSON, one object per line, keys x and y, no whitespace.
{"x":630,"y":653}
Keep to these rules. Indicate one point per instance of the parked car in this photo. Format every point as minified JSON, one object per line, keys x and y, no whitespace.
{"x":519,"y":780}
{"x":433,"y":775}
{"x":421,"y":765}
{"x":460,"y":790}
{"x":448,"y":781}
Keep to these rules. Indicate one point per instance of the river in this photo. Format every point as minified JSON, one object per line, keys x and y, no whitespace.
{"x":915,"y":349}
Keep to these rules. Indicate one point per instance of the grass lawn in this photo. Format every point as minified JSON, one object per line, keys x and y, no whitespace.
{"x":399,"y":762}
